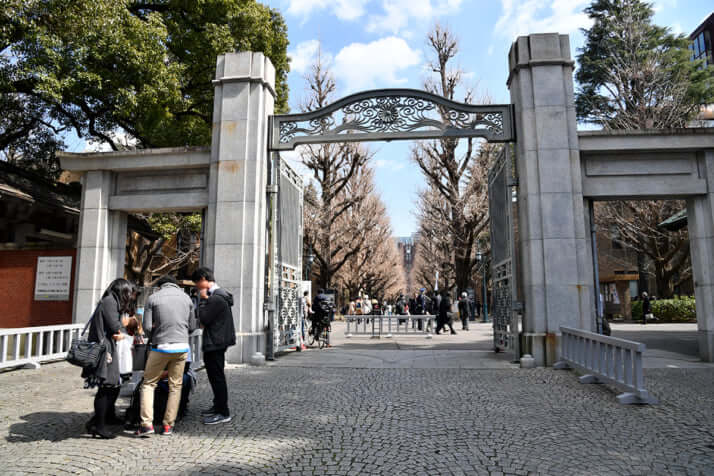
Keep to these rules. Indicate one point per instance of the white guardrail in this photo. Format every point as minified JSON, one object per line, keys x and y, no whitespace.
{"x":605,"y":359}
{"x":29,"y":346}
{"x":387,"y":326}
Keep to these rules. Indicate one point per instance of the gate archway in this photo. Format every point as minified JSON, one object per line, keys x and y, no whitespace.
{"x":398,"y":114}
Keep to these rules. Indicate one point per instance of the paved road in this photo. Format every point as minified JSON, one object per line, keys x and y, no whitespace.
{"x":339,"y":420}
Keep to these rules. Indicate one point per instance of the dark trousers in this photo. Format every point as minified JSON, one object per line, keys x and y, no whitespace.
{"x":104,"y":408}
{"x":215,"y":362}
{"x":465,"y":323}
{"x":442,"y":324}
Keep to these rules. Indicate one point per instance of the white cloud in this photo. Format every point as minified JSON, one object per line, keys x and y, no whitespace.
{"x":342,"y":9}
{"x":660,"y":5}
{"x":379,"y":63}
{"x":521,"y":17}
{"x":303,"y":54}
{"x":390,"y":165}
{"x":398,"y":13}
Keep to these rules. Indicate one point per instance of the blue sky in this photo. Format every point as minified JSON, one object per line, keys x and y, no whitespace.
{"x":381,"y":44}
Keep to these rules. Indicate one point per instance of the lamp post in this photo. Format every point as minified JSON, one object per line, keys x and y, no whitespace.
{"x":309,"y":259}
{"x":481,"y":259}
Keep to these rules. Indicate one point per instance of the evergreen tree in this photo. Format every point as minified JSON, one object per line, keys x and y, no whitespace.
{"x":636,"y":75}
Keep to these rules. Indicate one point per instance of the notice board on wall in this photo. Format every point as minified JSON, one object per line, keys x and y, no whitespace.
{"x":54,"y":274}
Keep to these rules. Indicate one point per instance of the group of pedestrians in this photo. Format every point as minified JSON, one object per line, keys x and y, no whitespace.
{"x":170,"y":316}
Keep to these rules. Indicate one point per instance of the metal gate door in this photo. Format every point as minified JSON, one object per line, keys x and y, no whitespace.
{"x":503,"y":269}
{"x":289,"y":258}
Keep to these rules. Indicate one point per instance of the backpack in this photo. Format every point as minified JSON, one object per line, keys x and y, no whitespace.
{"x":323,"y":308}
{"x":400,"y":307}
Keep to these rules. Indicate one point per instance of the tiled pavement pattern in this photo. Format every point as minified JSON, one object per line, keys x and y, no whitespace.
{"x":375,"y":421}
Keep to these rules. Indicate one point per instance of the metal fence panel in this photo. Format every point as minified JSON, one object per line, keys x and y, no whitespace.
{"x":504,"y":310}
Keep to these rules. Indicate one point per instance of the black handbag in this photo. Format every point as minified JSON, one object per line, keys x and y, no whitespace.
{"x":85,"y":354}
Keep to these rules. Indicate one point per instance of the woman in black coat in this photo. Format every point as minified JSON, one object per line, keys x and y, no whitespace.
{"x":444,"y":317}
{"x":118,"y":302}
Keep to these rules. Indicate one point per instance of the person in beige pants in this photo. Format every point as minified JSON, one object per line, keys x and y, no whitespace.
{"x":168,"y":319}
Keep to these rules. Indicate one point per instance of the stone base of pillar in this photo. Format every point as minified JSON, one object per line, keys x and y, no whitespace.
{"x":246,"y":346}
{"x":706,"y":345}
{"x":543,"y":347}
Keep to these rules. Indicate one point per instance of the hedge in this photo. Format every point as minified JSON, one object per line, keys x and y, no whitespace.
{"x":679,"y":309}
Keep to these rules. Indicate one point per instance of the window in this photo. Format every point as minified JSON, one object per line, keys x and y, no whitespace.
{"x":701,"y":48}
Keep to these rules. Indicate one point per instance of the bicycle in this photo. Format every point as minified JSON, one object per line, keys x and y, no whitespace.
{"x":322,"y":336}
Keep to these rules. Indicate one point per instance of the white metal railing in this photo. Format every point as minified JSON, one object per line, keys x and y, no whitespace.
{"x":29,"y":346}
{"x":387,"y":326}
{"x":605,"y":359}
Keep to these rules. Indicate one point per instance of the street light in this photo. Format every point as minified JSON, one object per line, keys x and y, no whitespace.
{"x":480,"y":258}
{"x":309,"y":259}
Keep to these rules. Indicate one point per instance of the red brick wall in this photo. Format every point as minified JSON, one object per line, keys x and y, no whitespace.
{"x":17,"y":291}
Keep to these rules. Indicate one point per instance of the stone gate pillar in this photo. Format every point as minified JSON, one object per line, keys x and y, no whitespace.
{"x":556,"y":264}
{"x":235,"y":228}
{"x":101,"y":243}
{"x":700,"y":221}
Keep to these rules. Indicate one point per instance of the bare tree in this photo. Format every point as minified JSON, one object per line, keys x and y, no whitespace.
{"x":332,"y":167}
{"x":172,"y":244}
{"x":633,"y":224}
{"x":456,"y":207}
{"x":377,"y":268}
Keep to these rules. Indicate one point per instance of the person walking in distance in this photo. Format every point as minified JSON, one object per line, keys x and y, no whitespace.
{"x":444,"y":318}
{"x":464,"y":311}
{"x":216,"y":318}
{"x":646,"y":309}
{"x":169,"y":318}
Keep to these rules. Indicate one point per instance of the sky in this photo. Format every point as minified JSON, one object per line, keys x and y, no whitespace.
{"x":372,"y":44}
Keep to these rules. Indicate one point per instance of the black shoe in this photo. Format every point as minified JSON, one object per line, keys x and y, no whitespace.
{"x":102,"y":434}
{"x":209,"y":411}
{"x":216,"y":419}
{"x":453,"y":333}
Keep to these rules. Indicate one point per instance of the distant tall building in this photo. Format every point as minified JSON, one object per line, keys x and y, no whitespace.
{"x":407,"y":248}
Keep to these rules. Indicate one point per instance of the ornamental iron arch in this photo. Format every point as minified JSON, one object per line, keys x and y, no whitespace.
{"x":392,"y":114}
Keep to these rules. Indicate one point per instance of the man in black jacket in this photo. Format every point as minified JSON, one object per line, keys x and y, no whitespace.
{"x":444,"y":318}
{"x":219,"y":333}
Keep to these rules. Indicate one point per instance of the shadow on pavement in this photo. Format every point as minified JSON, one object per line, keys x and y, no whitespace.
{"x":49,"y":426}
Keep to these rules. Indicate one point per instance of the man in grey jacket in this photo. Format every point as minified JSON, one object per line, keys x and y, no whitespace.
{"x":168,"y":320}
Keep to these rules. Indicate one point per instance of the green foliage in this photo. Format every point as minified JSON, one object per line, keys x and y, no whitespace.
{"x":170,"y":224}
{"x":636,"y":75}
{"x":679,"y":309}
{"x":101,"y":66}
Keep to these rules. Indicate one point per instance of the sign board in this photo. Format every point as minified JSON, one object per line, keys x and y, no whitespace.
{"x":52,"y":281}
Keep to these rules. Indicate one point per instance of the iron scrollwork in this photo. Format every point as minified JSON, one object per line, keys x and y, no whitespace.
{"x":392,"y":114}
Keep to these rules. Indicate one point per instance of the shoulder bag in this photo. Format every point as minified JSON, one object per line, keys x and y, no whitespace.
{"x":85,"y":354}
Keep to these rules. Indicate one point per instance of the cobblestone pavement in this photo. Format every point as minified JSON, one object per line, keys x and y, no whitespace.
{"x":375,"y":421}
